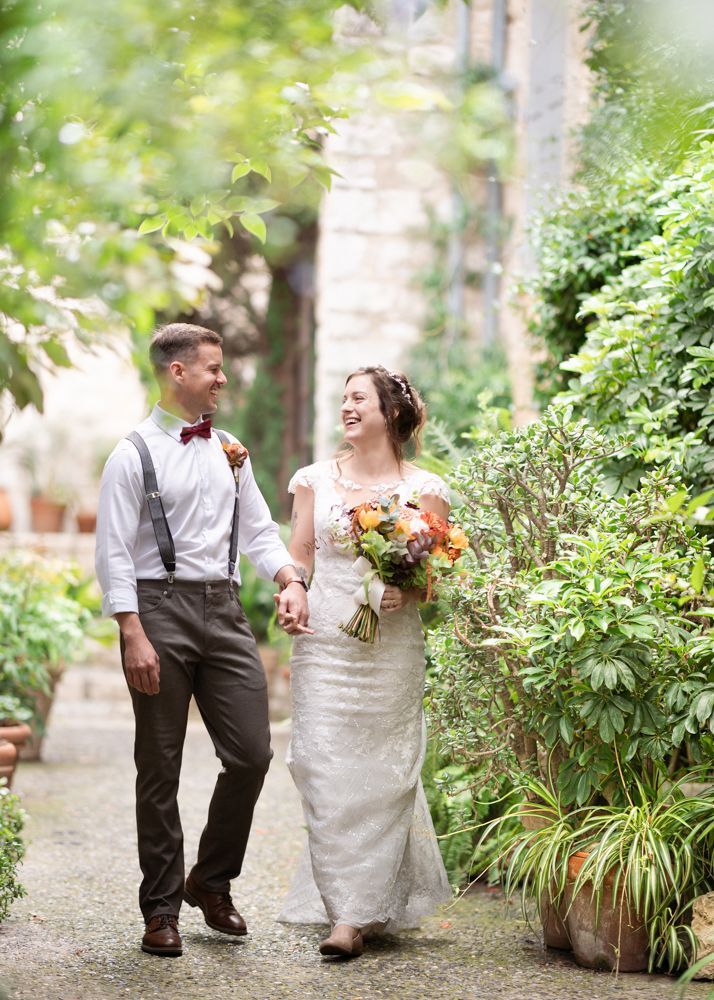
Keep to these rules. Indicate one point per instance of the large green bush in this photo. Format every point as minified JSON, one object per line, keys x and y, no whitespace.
{"x":42,"y":624}
{"x":574,"y":643}
{"x":645,"y":367}
{"x":586,"y":240}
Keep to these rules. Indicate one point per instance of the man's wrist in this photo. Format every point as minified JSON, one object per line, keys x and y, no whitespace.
{"x":129,"y":623}
{"x":294,"y":579}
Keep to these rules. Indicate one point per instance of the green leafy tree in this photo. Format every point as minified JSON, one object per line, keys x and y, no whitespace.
{"x":188,"y":118}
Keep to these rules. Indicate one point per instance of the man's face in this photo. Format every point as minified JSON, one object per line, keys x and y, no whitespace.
{"x":198,"y":382}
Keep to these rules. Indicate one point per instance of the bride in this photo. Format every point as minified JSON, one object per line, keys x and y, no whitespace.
{"x":358,"y":736}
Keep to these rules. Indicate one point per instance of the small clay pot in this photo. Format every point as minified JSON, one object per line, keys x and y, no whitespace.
{"x":8,"y":759}
{"x":17,"y":733}
{"x":46,"y":514}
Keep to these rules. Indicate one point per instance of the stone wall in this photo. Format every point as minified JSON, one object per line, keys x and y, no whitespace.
{"x":373,"y":225}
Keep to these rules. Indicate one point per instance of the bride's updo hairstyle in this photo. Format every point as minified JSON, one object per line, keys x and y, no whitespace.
{"x":402,"y":406}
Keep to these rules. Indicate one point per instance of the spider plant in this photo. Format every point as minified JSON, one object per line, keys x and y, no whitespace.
{"x":536,"y":858}
{"x":658,"y":853}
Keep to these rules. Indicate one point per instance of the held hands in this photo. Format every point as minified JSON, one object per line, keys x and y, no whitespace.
{"x":293,"y":612}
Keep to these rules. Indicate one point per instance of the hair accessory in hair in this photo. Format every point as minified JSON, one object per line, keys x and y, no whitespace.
{"x":403,"y":385}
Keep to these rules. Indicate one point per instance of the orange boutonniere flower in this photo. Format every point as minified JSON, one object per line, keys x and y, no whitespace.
{"x":236,"y":453}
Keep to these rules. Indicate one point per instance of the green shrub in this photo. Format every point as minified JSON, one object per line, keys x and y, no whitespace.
{"x":41,"y":624}
{"x":12,"y":849}
{"x":646,"y":367}
{"x":581,"y":244}
{"x":574,"y":640}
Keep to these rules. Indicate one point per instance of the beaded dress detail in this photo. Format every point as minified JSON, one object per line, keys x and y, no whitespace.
{"x":359,"y":738}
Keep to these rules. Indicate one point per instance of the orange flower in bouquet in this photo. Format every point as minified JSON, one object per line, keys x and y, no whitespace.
{"x":399,"y":544}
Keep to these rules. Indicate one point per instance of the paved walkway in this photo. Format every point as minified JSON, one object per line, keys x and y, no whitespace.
{"x":75,"y":936}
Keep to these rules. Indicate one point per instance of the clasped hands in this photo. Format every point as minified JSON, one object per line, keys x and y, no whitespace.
{"x":293,"y":612}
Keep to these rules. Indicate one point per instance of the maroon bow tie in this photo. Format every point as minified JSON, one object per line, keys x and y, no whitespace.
{"x":200,"y":430}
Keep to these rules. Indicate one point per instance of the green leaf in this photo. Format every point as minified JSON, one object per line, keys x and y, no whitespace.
{"x":566,"y":729}
{"x":262,"y":168}
{"x":151,"y":225}
{"x":239,"y":170}
{"x":253,"y":224}
{"x":56,"y":353}
{"x":697,"y":578}
{"x":577,"y":630}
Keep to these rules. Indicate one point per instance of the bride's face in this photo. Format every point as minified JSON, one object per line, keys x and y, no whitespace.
{"x":362,"y":418}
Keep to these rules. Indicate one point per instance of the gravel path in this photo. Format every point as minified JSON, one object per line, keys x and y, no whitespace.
{"x":76,"y":934}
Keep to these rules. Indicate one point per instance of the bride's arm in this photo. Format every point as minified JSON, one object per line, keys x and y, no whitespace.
{"x":302,"y":537}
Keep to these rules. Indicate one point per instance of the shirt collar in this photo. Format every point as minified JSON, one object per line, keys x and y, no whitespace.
{"x":169,"y":422}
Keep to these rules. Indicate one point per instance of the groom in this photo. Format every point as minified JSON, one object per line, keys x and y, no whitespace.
{"x":166,"y":551}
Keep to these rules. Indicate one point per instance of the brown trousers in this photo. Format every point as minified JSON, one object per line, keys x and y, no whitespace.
{"x":205,"y":649}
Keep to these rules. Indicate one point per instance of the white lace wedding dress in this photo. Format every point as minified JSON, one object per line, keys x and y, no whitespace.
{"x":358,"y":740}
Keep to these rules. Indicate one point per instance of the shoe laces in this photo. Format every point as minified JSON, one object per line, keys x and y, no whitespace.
{"x":167,"y":920}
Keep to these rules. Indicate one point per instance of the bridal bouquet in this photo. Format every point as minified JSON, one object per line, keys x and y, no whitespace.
{"x":398,"y":544}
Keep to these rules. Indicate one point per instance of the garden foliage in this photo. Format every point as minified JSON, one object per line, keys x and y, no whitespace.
{"x":12,"y":849}
{"x":42,"y":624}
{"x":646,"y":367}
{"x":574,"y":643}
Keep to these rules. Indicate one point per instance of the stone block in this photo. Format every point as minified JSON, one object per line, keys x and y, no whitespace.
{"x":703,"y":928}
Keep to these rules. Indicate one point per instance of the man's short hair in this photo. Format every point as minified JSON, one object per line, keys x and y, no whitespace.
{"x":179,"y":341}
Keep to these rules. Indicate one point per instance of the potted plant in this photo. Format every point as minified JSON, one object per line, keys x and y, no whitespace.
{"x":42,"y":624}
{"x":618,"y":882}
{"x":14,"y":733}
{"x":578,"y":653}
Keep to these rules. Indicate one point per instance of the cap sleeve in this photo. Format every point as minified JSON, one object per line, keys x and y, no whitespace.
{"x":434,"y":486}
{"x":303,"y":477}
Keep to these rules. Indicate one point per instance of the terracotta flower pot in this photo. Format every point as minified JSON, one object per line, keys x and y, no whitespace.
{"x":617,"y":938}
{"x":86,"y":521}
{"x":553,"y":918}
{"x":5,"y":511}
{"x":8,"y":759}
{"x":17,"y":733}
{"x":46,"y":515}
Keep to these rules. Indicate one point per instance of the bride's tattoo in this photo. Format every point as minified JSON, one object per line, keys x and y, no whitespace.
{"x":310,"y":548}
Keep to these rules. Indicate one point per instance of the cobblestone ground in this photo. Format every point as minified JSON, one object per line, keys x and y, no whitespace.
{"x":76,"y":934}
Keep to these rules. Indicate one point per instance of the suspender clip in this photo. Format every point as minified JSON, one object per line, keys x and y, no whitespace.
{"x":170,"y":578}
{"x":153,"y":496}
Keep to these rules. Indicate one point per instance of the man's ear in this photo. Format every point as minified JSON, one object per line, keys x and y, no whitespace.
{"x":176,"y":369}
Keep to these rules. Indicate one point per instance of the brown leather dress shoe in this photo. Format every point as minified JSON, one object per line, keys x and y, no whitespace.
{"x":345,"y":942}
{"x":217,"y":907}
{"x":162,"y":936}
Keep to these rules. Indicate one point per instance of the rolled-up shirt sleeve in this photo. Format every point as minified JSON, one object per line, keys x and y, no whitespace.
{"x":258,"y":534}
{"x":121,"y":496}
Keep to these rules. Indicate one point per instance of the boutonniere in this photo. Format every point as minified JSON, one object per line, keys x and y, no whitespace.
{"x":236,"y":453}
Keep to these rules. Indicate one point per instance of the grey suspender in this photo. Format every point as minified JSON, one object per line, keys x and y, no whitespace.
{"x":164,"y":540}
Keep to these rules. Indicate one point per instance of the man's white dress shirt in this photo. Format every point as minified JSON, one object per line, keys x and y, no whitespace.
{"x":197,"y":490}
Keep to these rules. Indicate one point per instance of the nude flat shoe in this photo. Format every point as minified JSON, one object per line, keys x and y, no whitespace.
{"x":344,"y":941}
